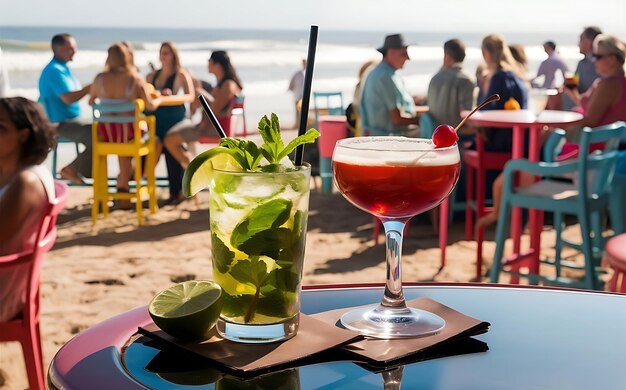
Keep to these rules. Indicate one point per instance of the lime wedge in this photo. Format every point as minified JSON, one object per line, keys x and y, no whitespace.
{"x":199,"y":173}
{"x":187,"y":310}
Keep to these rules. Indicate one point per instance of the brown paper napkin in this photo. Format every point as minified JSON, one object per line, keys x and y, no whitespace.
{"x":314,"y":336}
{"x":376,"y":351}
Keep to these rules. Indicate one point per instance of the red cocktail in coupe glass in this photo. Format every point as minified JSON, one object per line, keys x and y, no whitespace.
{"x":394,"y":178}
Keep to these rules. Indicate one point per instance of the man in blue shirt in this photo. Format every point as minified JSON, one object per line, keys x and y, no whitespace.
{"x":59,"y":93}
{"x":386,"y":107}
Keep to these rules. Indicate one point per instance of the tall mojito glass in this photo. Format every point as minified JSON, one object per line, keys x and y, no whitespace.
{"x":258,"y":227}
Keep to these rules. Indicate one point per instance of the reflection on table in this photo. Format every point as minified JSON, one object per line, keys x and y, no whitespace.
{"x":539,"y":338}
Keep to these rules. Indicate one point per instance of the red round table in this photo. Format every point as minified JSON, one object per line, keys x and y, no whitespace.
{"x":519,"y":120}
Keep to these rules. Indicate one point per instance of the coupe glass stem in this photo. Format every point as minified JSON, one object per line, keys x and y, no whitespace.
{"x":394,"y":229}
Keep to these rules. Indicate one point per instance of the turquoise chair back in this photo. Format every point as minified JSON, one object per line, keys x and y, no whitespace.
{"x":596,"y":170}
{"x":102,"y":112}
{"x":333,"y":103}
{"x":553,"y":145}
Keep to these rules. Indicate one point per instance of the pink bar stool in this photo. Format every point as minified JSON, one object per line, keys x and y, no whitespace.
{"x":615,"y":255}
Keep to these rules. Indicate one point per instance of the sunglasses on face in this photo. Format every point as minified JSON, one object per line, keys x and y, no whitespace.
{"x":597,"y":57}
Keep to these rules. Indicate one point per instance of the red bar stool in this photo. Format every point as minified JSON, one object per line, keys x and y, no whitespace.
{"x":615,"y":255}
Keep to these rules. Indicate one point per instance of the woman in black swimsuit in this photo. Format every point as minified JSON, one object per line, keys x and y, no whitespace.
{"x":169,"y":80}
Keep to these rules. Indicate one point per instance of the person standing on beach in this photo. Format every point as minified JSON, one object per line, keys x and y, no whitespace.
{"x":296,"y":86}
{"x":59,"y":93}
{"x":451,"y":90}
{"x":387,"y":108}
{"x":550,"y":66}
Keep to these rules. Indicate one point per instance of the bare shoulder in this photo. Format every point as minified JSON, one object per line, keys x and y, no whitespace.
{"x":150,"y":76}
{"x":138,"y":80}
{"x":608,"y":88}
{"x":183,"y":73}
{"x":231,"y":86}
{"x":30,"y":180}
{"x":26,"y":187}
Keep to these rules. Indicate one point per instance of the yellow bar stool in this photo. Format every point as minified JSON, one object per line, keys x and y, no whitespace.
{"x":122,"y":129}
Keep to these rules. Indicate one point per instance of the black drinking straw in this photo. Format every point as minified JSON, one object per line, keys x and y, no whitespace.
{"x":212,"y":117}
{"x":306,"y":93}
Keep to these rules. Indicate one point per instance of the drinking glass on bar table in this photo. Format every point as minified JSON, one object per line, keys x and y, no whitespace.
{"x":394,"y":178}
{"x":258,"y":227}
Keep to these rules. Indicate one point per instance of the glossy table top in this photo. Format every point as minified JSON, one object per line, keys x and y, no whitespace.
{"x":539,"y":339}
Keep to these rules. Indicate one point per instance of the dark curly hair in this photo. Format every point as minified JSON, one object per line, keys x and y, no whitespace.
{"x":26,"y":114}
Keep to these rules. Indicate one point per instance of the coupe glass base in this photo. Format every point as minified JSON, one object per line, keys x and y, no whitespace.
{"x":254,"y":334}
{"x":388,"y":323}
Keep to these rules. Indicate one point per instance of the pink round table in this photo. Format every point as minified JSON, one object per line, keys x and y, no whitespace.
{"x":519,"y":120}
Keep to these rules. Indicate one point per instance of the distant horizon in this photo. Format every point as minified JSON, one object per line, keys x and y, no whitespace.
{"x":451,"y":32}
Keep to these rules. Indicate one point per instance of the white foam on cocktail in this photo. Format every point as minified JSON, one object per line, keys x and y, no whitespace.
{"x":393,"y":151}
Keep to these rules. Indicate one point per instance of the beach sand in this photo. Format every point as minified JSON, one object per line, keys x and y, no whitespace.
{"x":94,"y":273}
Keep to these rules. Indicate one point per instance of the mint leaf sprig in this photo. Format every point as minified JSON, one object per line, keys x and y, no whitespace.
{"x":249,"y":156}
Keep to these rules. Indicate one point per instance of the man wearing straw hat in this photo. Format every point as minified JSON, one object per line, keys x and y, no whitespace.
{"x":386,"y":107}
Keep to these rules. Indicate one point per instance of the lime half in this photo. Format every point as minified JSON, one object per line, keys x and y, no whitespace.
{"x":199,"y":173}
{"x":187,"y":310}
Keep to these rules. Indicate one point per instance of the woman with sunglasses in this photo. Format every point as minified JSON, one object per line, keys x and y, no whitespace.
{"x":605,"y":101}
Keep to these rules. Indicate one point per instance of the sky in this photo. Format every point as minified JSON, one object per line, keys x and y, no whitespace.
{"x":373,"y":15}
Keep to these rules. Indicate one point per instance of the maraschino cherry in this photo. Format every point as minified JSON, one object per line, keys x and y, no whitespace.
{"x":445,"y":135}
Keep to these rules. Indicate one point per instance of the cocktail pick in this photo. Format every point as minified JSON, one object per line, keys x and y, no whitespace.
{"x":306,"y":94}
{"x":212,"y":117}
{"x":445,"y":136}
{"x":493,"y":98}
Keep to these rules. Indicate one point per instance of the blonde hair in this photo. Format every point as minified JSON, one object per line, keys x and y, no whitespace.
{"x":611,"y":45}
{"x":500,"y":53}
{"x":119,"y":59}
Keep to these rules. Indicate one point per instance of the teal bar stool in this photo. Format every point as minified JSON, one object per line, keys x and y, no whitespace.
{"x":332,"y":128}
{"x":55,"y":151}
{"x":587,"y":198}
{"x":327,"y":103}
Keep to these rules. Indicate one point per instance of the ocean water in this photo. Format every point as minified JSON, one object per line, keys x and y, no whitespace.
{"x":264,"y":59}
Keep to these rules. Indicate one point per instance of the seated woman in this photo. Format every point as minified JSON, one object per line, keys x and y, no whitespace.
{"x":26,"y":137}
{"x":605,"y":102}
{"x":120,"y":83}
{"x":602,"y":104}
{"x":171,"y":79}
{"x":220,"y":100}
{"x":505,"y":76}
